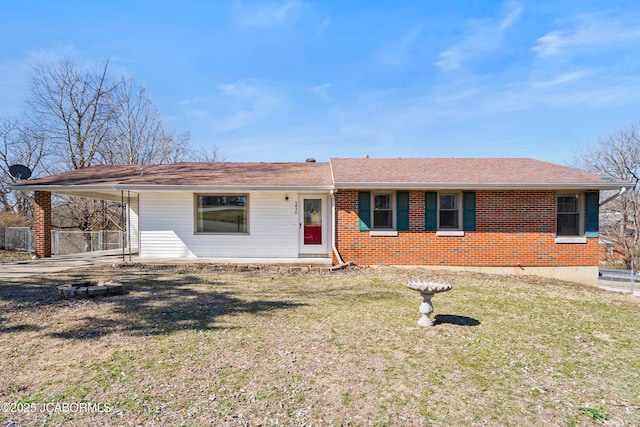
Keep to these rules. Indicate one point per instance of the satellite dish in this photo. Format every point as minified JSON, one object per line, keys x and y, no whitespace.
{"x":20,"y":172}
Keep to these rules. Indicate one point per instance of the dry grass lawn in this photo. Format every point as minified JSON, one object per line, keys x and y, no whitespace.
{"x":10,"y":256}
{"x":195,"y":345}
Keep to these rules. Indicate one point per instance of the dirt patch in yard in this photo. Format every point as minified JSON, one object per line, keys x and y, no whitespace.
{"x":203,"y":344}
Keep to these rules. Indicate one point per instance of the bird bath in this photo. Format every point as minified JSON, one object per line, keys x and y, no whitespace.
{"x":427,"y":290}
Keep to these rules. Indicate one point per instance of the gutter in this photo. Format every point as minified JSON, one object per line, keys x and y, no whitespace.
{"x":336,"y":186}
{"x":139,"y":188}
{"x":479,"y":186}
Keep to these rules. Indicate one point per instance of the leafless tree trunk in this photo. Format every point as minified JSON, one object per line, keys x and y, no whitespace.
{"x":141,"y":135}
{"x":618,"y":157}
{"x":20,"y":145}
{"x":75,"y":108}
{"x":77,"y":118}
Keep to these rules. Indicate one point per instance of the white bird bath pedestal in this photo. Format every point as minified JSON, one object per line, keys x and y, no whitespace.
{"x":427,"y":290}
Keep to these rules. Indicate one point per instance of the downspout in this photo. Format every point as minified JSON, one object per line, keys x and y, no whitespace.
{"x":333,"y":228}
{"x":122,"y":219}
{"x":618,"y":194}
{"x":129,"y":222}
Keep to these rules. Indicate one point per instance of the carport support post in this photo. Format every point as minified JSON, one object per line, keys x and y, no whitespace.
{"x":42,"y":223}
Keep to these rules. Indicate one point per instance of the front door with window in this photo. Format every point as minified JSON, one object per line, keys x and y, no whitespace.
{"x":313,"y":225}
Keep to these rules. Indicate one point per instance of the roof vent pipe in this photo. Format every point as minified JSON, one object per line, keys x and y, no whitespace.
{"x":311,"y":160}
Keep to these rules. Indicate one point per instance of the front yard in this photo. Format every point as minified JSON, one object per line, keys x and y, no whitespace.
{"x":191,"y":345}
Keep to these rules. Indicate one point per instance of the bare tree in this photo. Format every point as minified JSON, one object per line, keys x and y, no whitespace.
{"x":75,"y":108}
{"x":20,"y":145}
{"x":77,"y":118}
{"x":211,"y":154}
{"x":139,"y":132}
{"x":618,"y":157}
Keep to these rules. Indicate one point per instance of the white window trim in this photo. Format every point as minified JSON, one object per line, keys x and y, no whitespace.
{"x":571,"y":239}
{"x":580,"y":237}
{"x":383,"y":233}
{"x":449,"y":231}
{"x":394,"y":215}
{"x":214,"y":233}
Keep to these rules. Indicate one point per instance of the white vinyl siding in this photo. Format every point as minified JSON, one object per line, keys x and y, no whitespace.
{"x":133,"y":230}
{"x":167,"y":228}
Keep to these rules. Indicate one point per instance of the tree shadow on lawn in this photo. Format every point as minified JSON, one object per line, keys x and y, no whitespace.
{"x":150,"y":307}
{"x":454,"y":319}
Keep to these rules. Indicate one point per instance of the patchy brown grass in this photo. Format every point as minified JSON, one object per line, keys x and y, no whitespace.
{"x":192,"y":346}
{"x":7,"y":257}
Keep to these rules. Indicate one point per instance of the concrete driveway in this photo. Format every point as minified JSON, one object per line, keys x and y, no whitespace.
{"x":43,"y":266}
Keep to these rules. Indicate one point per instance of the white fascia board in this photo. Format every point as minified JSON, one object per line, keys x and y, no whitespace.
{"x":162,"y":188}
{"x":479,"y":186}
{"x":222,"y":188}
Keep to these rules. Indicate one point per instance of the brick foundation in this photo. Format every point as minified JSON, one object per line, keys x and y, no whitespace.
{"x":513,"y":228}
{"x":42,"y":223}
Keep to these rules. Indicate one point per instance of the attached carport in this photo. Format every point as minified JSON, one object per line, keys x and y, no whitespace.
{"x":42,"y":216}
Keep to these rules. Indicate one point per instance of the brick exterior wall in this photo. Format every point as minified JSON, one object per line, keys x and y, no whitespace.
{"x":42,"y":223}
{"x":513,"y":228}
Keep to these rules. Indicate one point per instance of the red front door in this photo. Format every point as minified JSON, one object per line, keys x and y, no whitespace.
{"x":312,"y":226}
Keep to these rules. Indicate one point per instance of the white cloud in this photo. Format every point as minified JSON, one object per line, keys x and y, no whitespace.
{"x":399,"y":52}
{"x":237,"y":105}
{"x":269,"y":15}
{"x":326,"y":22}
{"x":562,"y":79}
{"x":451,"y":59}
{"x":322,"y":91}
{"x":586,"y":32}
{"x":512,"y":17}
{"x":250,"y":101}
{"x":480,"y":36}
{"x":459,"y":103}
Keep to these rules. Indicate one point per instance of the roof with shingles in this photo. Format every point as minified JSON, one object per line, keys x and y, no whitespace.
{"x":461,"y":173}
{"x":365,"y":173}
{"x":223,"y":174}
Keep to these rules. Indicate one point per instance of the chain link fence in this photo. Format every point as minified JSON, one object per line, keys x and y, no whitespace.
{"x":17,"y":239}
{"x":73,"y":242}
{"x":622,"y":280}
{"x":21,"y":239}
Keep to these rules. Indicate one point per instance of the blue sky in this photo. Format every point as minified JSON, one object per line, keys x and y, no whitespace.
{"x":286,"y":80}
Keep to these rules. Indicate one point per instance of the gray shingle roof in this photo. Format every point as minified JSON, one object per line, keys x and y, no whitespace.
{"x":223,"y":174}
{"x":462,"y":173}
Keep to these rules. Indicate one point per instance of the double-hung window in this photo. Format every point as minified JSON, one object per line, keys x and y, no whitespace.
{"x":383,"y":213}
{"x":569,"y":215}
{"x":449,"y":212}
{"x":383,"y":217}
{"x":222,"y":213}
